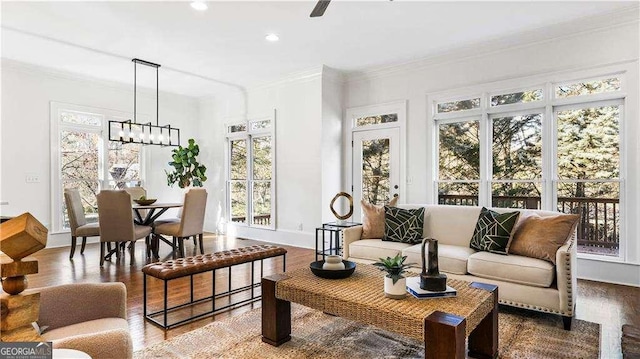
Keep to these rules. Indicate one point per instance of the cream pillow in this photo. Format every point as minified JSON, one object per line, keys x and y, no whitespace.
{"x":540,"y":237}
{"x":373,"y":221}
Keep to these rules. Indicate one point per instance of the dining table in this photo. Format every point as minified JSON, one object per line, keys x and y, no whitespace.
{"x":153,"y":211}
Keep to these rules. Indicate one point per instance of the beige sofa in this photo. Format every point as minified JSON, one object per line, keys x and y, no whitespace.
{"x":523,"y":282}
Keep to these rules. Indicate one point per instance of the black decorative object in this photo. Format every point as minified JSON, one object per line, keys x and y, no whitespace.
{"x":431,"y":279}
{"x":144,"y":133}
{"x":316,"y":268}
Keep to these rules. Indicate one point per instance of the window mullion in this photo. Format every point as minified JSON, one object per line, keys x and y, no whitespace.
{"x":484,"y":190}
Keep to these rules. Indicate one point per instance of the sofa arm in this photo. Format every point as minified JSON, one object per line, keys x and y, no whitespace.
{"x":105,"y":345}
{"x":350,"y":235}
{"x":76,"y":303}
{"x":566,"y":277}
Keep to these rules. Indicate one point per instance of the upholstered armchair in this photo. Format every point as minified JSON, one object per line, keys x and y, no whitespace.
{"x":90,"y":317}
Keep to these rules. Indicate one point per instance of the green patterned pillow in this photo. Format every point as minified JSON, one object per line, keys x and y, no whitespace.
{"x":493,"y":231}
{"x":403,"y":225}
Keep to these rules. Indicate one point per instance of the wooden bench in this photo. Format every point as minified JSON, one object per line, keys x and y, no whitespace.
{"x":190,"y":266}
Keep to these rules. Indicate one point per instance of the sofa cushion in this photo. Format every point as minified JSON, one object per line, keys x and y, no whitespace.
{"x":403,"y":225}
{"x":373,"y":220}
{"x":493,"y":231}
{"x":90,"y":327}
{"x":374,"y":249}
{"x":451,"y":259}
{"x":540,"y":237}
{"x":512,"y":268}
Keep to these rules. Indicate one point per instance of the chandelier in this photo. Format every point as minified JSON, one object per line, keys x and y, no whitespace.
{"x":130,"y":131}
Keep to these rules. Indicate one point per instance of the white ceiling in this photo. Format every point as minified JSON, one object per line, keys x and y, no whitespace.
{"x":227,"y":43}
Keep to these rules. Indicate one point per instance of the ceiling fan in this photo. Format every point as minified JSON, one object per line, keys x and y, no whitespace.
{"x":320,"y":8}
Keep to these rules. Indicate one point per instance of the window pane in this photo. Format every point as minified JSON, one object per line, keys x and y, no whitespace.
{"x":598,"y":205}
{"x":517,"y":147}
{"x":588,"y":87}
{"x":376,"y":120}
{"x":239,"y":201}
{"x":516,"y":195}
{"x":81,"y":118}
{"x":589,"y":143}
{"x":459,"y":151}
{"x":238,"y":156}
{"x":458,"y":194}
{"x":79,"y":155}
{"x":458,"y":105}
{"x":260,"y":124}
{"x":237,"y":128}
{"x":261,"y":158}
{"x":88,"y":190}
{"x":517,"y":97}
{"x":262,"y":203}
{"x":124,"y":163}
{"x":375,"y":171}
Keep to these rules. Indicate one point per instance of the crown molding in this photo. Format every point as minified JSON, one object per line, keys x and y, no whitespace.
{"x":24,"y":67}
{"x":528,"y":38}
{"x":298,"y":76}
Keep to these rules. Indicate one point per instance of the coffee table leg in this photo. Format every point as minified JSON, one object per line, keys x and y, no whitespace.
{"x":483,"y":340}
{"x":276,"y":313}
{"x":444,"y":336}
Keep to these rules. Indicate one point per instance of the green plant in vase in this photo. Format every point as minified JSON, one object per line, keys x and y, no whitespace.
{"x":394,"y":282}
{"x":186,"y":169}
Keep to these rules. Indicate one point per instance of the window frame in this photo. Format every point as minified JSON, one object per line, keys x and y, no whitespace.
{"x":248,"y":136}
{"x":548,"y":107}
{"x":55,"y":109}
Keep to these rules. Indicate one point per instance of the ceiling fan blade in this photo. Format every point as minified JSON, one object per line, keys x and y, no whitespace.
{"x":320,"y":8}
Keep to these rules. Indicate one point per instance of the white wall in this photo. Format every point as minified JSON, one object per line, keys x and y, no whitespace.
{"x":412,"y":82}
{"x":331,"y":151}
{"x":299,"y":123}
{"x":26,"y":94}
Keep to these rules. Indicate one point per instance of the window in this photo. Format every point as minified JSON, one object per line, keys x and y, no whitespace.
{"x":376,"y":120}
{"x":250,"y":174}
{"x":86,"y":160}
{"x":520,"y":149}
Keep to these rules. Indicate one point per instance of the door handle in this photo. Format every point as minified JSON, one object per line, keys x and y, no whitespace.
{"x":395,"y":195}
{"x":395,"y":187}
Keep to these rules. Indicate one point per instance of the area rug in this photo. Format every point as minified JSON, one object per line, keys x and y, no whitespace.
{"x":523,"y":334}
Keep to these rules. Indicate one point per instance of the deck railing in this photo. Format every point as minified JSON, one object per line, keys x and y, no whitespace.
{"x":599,"y":217}
{"x":261,"y":220}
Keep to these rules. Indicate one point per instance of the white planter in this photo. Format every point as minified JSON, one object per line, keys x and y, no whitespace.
{"x":395,"y":291}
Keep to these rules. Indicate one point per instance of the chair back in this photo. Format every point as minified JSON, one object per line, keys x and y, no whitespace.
{"x":75,"y":211}
{"x":136,"y":192}
{"x":192,"y":220}
{"x":115,"y":216}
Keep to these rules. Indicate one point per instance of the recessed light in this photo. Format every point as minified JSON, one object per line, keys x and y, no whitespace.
{"x":272,"y":37}
{"x":199,"y":5}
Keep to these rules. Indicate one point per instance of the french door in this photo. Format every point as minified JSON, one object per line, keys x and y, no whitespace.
{"x":376,"y":167}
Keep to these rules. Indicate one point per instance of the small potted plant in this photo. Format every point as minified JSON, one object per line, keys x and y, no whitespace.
{"x":395,"y":284}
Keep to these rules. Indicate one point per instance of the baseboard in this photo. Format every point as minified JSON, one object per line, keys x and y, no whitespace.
{"x":609,"y":272}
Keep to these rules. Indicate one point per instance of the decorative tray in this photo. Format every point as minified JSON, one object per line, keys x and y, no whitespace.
{"x":316,"y":268}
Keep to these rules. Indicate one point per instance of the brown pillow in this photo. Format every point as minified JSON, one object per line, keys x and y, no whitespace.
{"x":540,"y":237}
{"x":373,"y":221}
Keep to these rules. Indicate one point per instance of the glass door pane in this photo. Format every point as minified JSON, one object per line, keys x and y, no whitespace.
{"x":261,"y":165}
{"x":238,"y":180}
{"x":588,"y":169}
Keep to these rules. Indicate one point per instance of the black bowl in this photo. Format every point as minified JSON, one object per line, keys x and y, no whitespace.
{"x":349,"y":268}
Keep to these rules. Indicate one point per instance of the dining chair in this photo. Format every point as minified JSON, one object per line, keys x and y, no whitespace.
{"x":116,"y":223}
{"x":136,"y":193}
{"x":77,"y":220}
{"x":190,"y":224}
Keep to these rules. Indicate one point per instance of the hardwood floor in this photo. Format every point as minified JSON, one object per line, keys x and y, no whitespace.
{"x":608,"y":304}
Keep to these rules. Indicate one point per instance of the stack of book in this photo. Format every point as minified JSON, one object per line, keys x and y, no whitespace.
{"x":413,"y":287}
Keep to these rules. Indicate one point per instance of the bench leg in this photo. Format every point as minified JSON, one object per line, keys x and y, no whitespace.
{"x":276,"y":313}
{"x":444,"y":336}
{"x":483,"y":340}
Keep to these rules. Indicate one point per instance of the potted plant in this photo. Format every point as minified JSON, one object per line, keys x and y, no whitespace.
{"x":395,"y":284}
{"x":186,"y":169}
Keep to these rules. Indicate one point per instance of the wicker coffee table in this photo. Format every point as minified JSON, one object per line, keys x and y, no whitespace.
{"x":443,"y":324}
